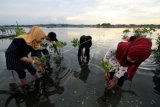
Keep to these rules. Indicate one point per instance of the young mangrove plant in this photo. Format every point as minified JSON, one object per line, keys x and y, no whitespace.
{"x":59,"y":44}
{"x":106,"y":65}
{"x":43,"y":59}
{"x":19,"y":30}
{"x":125,"y":33}
{"x":74,"y":42}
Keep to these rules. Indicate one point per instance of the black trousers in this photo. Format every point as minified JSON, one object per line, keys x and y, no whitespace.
{"x":120,"y":80}
{"x":87,"y":53}
{"x":22,"y":73}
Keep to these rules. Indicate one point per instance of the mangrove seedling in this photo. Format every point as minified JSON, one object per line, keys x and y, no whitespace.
{"x":19,"y":30}
{"x":58,"y":44}
{"x":74,"y":42}
{"x":106,"y":65}
{"x":43,"y":59}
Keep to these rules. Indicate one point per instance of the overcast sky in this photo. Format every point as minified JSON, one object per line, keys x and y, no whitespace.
{"x":79,"y":11}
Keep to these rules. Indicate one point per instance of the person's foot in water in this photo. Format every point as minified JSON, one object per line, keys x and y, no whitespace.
{"x":80,"y":63}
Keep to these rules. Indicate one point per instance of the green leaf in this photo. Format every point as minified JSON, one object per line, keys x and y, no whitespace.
{"x":106,"y":65}
{"x":19,"y":30}
{"x":126,"y":31}
{"x":74,"y":42}
{"x":58,"y":44}
{"x":43,"y":59}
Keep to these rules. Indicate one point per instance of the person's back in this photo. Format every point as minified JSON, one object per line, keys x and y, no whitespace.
{"x":88,"y":41}
{"x":82,"y":41}
{"x":85,"y":42}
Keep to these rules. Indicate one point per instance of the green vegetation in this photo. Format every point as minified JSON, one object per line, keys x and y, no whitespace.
{"x":125,"y":33}
{"x":156,"y":51}
{"x":143,"y":31}
{"x":139,"y":32}
{"x":58,"y":44}
{"x":43,"y":59}
{"x":74,"y":42}
{"x":19,"y":30}
{"x":106,"y":66}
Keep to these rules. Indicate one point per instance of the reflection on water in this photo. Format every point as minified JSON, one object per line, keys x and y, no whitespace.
{"x":156,"y":80}
{"x":107,"y":99}
{"x":83,"y":74}
{"x":83,"y":86}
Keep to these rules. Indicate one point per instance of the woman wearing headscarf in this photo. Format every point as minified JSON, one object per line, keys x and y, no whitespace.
{"x":17,"y":53}
{"x":125,"y":57}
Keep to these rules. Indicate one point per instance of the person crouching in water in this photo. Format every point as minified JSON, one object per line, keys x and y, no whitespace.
{"x":17,"y":54}
{"x":85,"y":43}
{"x":125,"y":57}
{"x":51,"y":37}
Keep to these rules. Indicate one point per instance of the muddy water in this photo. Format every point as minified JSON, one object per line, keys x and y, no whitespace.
{"x":83,"y":86}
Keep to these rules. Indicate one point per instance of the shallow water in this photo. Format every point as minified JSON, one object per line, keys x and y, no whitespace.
{"x":84,"y":85}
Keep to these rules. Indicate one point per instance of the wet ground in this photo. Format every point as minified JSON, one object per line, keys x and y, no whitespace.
{"x":83,"y":86}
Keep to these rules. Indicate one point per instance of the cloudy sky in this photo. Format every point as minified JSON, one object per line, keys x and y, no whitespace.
{"x":80,"y":11}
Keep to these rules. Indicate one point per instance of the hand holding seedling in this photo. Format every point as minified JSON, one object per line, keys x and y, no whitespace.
{"x":112,"y":83}
{"x":40,"y":62}
{"x":108,"y":68}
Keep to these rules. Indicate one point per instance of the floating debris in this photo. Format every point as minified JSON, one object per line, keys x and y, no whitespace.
{"x":152,"y":102}
{"x":78,"y":101}
{"x":62,"y":99}
{"x":75,"y":92}
{"x":140,"y":102}
{"x":82,"y":102}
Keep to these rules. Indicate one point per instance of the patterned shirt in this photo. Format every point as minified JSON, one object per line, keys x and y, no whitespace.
{"x":110,"y":56}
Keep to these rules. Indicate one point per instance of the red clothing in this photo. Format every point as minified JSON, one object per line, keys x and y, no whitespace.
{"x":139,"y":50}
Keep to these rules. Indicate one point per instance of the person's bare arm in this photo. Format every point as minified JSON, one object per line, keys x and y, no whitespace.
{"x":26,"y":59}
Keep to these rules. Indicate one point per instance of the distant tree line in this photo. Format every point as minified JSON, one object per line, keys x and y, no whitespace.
{"x":103,"y":25}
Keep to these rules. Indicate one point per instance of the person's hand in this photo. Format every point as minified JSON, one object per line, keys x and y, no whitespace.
{"x":107,"y":76}
{"x":36,"y":62}
{"x":112,"y":83}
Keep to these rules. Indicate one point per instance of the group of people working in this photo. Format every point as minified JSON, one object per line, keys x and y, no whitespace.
{"x":125,"y":56}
